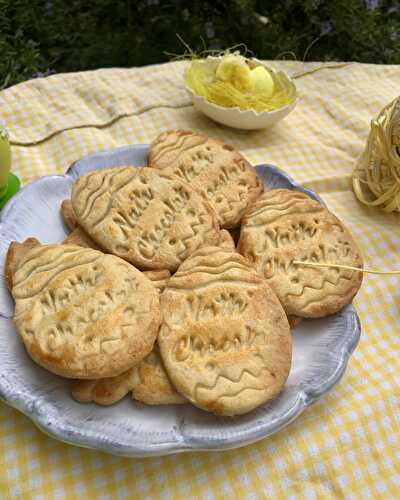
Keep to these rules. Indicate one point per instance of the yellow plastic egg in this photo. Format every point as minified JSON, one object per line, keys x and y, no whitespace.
{"x":261,"y":81}
{"x":233,"y":69}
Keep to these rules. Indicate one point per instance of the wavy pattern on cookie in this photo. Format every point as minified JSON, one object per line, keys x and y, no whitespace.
{"x":246,"y":381}
{"x":286,"y":226}
{"x":110,"y":183}
{"x":224,"y":339}
{"x":169,"y":147}
{"x":220,"y":173}
{"x":81,"y":313}
{"x":54,"y":262}
{"x":226,"y":267}
{"x":264,"y":209}
{"x":15,"y":254}
{"x":149,"y":218}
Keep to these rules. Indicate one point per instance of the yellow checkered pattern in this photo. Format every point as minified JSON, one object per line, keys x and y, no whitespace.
{"x":344,"y":446}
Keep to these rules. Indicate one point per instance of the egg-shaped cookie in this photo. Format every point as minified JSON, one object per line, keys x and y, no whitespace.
{"x":283,"y":227}
{"x":217,"y":170}
{"x":148,"y":382}
{"x":84,"y":314}
{"x":151,"y":219}
{"x":225,"y":340}
{"x":152,"y":385}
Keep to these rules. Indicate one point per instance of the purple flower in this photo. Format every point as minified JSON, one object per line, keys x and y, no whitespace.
{"x":43,"y":74}
{"x":372,"y":4}
{"x":326,"y":27}
{"x":210,"y":32}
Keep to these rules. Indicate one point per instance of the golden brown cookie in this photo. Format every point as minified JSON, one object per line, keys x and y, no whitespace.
{"x":77,"y":236}
{"x":285,"y":226}
{"x":151,"y":219}
{"x":159,"y":278}
{"x":152,"y":385}
{"x":294,"y":321}
{"x":103,"y":391}
{"x":226,"y":240}
{"x":148,"y":382}
{"x":15,"y":253}
{"x":225,"y":340}
{"x":68,"y":215}
{"x":80,"y":237}
{"x":218,"y":171}
{"x":84,"y":314}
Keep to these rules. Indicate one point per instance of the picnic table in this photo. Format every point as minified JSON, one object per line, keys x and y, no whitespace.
{"x":347,"y":444}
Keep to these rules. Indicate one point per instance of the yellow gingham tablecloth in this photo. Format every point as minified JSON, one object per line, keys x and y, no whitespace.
{"x":344,"y":446}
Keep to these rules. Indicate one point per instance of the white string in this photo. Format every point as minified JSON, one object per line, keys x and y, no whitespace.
{"x":341,"y":266}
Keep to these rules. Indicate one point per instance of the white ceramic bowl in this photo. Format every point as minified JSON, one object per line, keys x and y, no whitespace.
{"x":235,"y":117}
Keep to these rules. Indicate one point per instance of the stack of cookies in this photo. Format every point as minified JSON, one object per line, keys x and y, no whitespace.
{"x":150,"y":295}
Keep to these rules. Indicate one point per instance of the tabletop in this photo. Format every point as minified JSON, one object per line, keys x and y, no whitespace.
{"x":347,"y":444}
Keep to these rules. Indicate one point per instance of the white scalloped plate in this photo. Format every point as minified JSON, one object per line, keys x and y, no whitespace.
{"x":321,"y":349}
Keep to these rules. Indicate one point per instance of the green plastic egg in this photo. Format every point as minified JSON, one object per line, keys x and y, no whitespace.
{"x":9,"y":183}
{"x":5,"y":158}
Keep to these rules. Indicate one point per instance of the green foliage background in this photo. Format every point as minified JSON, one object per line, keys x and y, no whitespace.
{"x":38,"y":37}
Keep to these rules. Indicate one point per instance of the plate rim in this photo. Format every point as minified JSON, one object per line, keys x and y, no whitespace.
{"x":73,"y":435}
